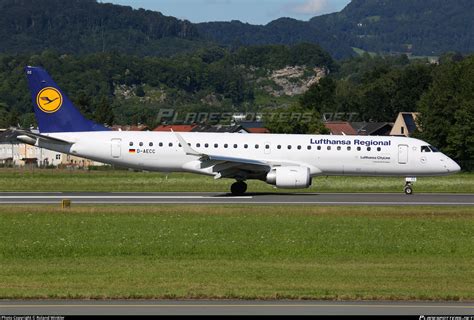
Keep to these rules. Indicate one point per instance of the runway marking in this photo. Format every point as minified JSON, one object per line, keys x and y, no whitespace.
{"x":224,"y":201}
{"x":238,"y":305}
{"x":117,"y":197}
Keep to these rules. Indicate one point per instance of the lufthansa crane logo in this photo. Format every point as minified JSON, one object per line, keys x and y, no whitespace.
{"x":49,"y":100}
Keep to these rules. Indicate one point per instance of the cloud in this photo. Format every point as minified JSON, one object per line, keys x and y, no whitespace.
{"x":311,"y":7}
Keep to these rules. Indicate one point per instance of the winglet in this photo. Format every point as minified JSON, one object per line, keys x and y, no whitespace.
{"x":186,"y":147}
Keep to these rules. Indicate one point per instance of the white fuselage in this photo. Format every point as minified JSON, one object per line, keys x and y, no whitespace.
{"x":322,"y":154}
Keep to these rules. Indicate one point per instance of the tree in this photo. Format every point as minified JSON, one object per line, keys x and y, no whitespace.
{"x":294,"y":120}
{"x":104,"y":113}
{"x":447,"y":110}
{"x":320,"y":97}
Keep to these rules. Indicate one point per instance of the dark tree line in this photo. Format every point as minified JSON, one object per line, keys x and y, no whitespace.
{"x":93,"y":81}
{"x":421,"y":27}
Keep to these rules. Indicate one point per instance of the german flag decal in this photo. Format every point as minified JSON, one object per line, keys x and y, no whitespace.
{"x":132,"y":151}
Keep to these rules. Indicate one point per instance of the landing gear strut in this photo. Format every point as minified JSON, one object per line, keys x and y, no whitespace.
{"x":409,"y":185}
{"x":238,"y":188}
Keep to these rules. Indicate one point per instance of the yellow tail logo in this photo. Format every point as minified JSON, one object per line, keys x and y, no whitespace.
{"x":49,"y":100}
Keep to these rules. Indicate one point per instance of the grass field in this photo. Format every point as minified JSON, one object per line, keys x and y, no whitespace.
{"x":121,"y":181}
{"x":237,"y":252}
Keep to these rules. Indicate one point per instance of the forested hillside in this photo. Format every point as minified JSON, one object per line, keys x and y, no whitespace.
{"x":419,"y":27}
{"x":132,"y":89}
{"x":85,"y":26}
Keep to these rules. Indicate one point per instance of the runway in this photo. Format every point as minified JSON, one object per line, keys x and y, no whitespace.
{"x":229,"y":307}
{"x":371,"y":199}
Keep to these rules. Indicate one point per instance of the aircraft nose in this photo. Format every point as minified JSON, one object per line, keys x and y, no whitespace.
{"x":453,"y":166}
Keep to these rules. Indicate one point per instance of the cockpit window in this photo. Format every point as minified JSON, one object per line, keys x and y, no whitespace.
{"x":434,"y":149}
{"x":425,"y":149}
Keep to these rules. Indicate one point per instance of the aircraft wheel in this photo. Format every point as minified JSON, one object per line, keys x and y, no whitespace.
{"x":238,"y":188}
{"x":408,"y":190}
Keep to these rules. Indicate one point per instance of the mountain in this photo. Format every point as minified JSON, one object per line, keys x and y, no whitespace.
{"x":419,"y":27}
{"x":285,"y":31}
{"x":85,"y":26}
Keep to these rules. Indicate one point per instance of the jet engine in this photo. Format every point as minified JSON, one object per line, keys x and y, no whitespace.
{"x":289,"y":177}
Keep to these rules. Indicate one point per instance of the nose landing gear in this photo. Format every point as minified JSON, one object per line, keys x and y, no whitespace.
{"x":238,"y":188}
{"x":409,"y":181}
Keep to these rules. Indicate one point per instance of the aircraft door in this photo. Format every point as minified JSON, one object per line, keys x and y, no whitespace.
{"x":116,"y":148}
{"x":402,"y":154}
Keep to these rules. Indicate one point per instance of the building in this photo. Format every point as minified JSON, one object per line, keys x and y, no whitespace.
{"x":70,"y":161}
{"x":236,"y":128}
{"x":254,"y":126}
{"x":372,"y":128}
{"x":340,"y":128}
{"x":18,"y":154}
{"x":176,"y":127}
{"x":405,"y":124}
{"x":140,"y":127}
{"x":9,"y":149}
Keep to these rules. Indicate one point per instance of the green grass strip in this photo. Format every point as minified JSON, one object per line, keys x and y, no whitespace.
{"x":232,"y":251}
{"x":127,"y":181}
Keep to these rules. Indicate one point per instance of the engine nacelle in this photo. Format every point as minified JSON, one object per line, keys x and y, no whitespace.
{"x":290,"y":177}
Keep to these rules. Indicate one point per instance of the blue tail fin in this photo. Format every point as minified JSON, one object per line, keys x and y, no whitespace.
{"x":54,"y":111}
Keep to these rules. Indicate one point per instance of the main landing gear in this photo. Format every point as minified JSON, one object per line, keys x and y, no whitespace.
{"x":409,"y":181}
{"x":238,"y":188}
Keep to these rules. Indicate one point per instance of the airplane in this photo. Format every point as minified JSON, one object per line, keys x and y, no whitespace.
{"x":287,"y":161}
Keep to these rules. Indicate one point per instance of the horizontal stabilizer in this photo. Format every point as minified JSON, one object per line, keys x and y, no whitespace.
{"x":32,"y":138}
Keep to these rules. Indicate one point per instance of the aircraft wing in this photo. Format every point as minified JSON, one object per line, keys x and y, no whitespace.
{"x":225,"y":166}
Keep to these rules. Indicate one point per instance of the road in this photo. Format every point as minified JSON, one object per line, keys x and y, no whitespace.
{"x":372,"y":199}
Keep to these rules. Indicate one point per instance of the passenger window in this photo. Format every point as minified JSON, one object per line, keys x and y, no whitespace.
{"x":235,"y":146}
{"x":141,"y":144}
{"x":309,"y":147}
{"x":289,"y":147}
{"x":256,"y":146}
{"x":206,"y":145}
{"x":379,"y":149}
{"x":299,"y":147}
{"x":160,"y":144}
{"x":226,"y":145}
{"x":278,"y":147}
{"x":338,"y":148}
{"x":348,"y":148}
{"x":179,"y":145}
{"x":267,"y":146}
{"x":369,"y":148}
{"x":216,"y":145}
{"x":319,"y":147}
{"x":170,"y":144}
{"x":329,"y":147}
{"x":151,"y":144}
{"x":131,"y":144}
{"x":358,"y":149}
{"x":198,"y":145}
{"x":246,"y":146}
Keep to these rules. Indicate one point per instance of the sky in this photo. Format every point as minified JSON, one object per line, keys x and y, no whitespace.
{"x":251,"y":11}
